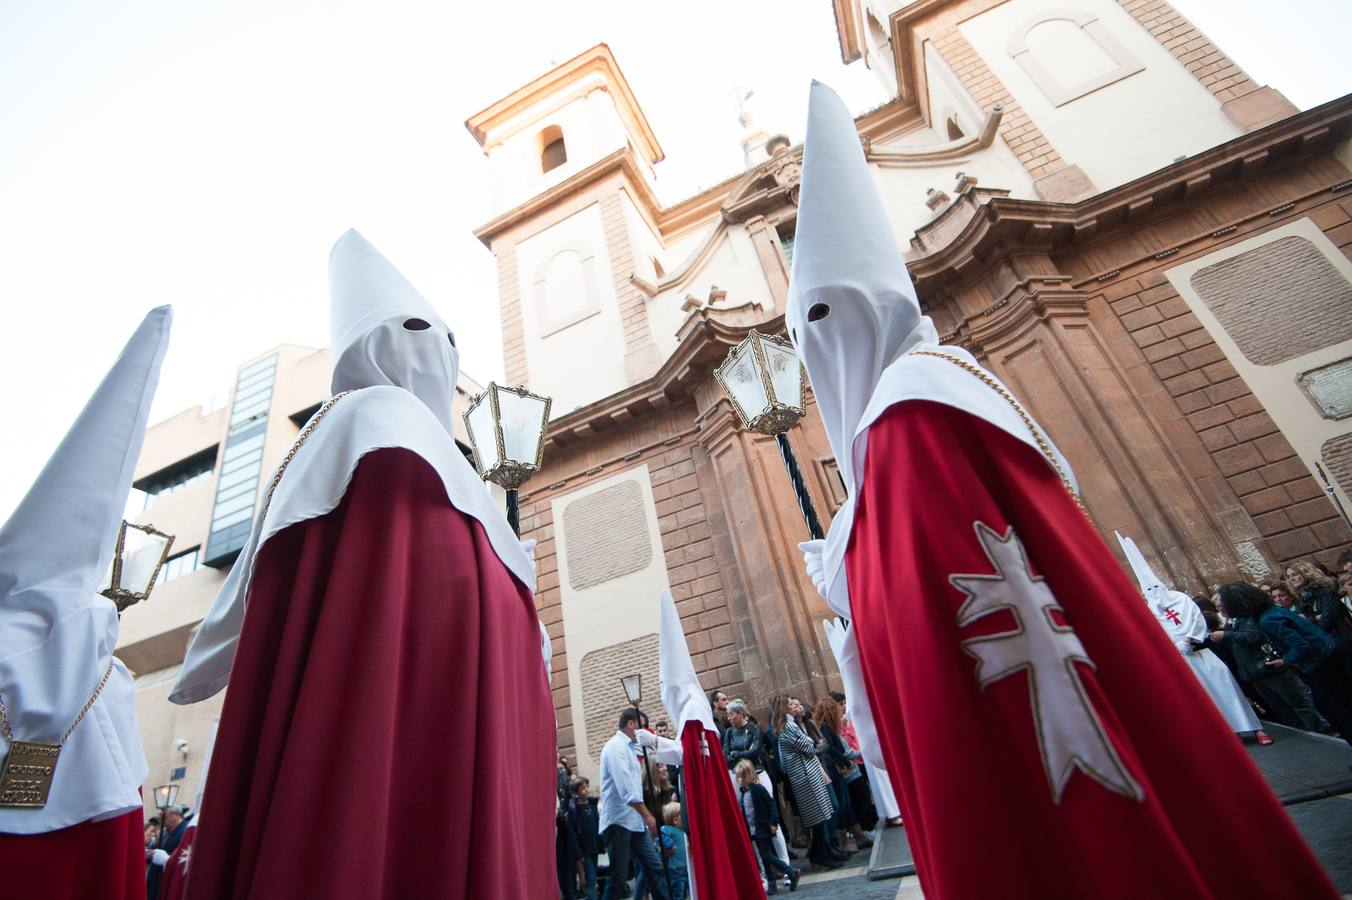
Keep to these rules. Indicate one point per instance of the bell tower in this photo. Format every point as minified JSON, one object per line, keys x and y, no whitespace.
{"x":570,"y":158}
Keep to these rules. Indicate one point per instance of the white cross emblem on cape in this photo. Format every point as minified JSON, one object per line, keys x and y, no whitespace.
{"x":1069,"y":732}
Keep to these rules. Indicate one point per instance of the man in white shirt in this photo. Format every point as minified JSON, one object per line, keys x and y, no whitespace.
{"x":626,"y":824}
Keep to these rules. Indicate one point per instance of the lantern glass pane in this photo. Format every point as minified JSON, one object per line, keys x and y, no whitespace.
{"x":480,"y":422}
{"x":631,"y":687}
{"x":523,"y":421}
{"x":743,"y":381}
{"x":140,"y":555}
{"x":786,"y":375}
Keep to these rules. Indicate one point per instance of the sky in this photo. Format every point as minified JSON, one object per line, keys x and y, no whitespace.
{"x":208,"y":154}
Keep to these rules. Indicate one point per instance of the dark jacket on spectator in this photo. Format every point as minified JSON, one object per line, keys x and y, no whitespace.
{"x":743,"y":743}
{"x":586,"y":820}
{"x":1329,"y":612}
{"x":1300,"y":643}
{"x":1245,"y":640}
{"x":833,"y":753}
{"x":766,"y":812}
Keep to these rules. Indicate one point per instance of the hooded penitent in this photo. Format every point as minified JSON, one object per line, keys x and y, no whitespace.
{"x":56,"y":633}
{"x":383,"y":587}
{"x":723,"y":866}
{"x":1024,"y":700}
{"x":397,"y":360}
{"x":1182,"y":620}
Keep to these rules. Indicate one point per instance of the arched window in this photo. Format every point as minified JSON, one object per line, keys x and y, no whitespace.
{"x":553,"y":153}
{"x":1069,"y":53}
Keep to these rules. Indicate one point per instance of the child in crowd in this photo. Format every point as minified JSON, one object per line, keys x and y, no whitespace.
{"x":673,"y":848}
{"x":586,"y":820}
{"x":762,"y":820}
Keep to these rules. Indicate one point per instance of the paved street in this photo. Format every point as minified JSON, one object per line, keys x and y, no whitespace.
{"x":1310,"y":773}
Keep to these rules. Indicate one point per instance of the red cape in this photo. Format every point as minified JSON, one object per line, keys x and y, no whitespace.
{"x":722,"y":865}
{"x":389,"y":729}
{"x":104,"y":859}
{"x":175,"y":880}
{"x":974,"y":789}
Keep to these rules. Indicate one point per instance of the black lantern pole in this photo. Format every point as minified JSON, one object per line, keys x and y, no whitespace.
{"x":765,"y":382}
{"x":814,"y":525}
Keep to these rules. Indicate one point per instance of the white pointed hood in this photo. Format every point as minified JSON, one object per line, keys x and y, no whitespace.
{"x":55,"y":547}
{"x":384,"y":332}
{"x":682,"y":695}
{"x":1152,"y":588}
{"x":854,"y":316}
{"x":56,"y":633}
{"x":846,"y":260}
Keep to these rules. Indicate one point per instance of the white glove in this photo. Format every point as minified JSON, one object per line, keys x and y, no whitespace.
{"x":159,"y":858}
{"x":816,"y":566}
{"x":646,"y":738}
{"x":1185,"y":647}
{"x":529,"y":546}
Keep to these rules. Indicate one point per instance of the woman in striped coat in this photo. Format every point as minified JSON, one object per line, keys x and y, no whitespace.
{"x":811,"y":793}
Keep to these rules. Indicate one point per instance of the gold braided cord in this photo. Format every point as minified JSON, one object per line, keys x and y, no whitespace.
{"x":295,"y":448}
{"x":89,"y":704}
{"x":1000,"y":389}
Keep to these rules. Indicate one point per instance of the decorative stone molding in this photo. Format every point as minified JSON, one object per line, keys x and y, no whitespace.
{"x":1057,"y":93}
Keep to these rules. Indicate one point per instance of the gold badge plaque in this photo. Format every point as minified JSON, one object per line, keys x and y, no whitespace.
{"x":26,"y":778}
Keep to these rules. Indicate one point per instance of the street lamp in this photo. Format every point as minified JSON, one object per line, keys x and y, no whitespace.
{"x":764,"y":380}
{"x":140,"y":552}
{"x":507,"y":428}
{"x":165,"y":795}
{"x":633,"y":690}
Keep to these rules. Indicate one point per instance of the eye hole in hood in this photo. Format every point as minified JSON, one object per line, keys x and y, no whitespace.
{"x":416,"y":325}
{"x":818,"y":312}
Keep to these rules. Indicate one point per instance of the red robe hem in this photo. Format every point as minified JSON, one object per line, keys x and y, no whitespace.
{"x":104,"y":859}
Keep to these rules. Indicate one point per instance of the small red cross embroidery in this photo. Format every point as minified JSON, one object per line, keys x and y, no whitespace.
{"x":1172,"y":614}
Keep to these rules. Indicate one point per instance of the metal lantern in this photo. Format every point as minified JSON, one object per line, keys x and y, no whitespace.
{"x":165,"y":795}
{"x":141,"y":551}
{"x":764,"y":379}
{"x":507,"y":428}
{"x":633,"y":685}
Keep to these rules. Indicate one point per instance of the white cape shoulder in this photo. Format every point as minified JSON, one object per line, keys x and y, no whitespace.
{"x":362,"y":421}
{"x":920,"y":377}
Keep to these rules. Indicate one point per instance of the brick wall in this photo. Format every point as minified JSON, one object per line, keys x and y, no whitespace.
{"x":1284,"y":500}
{"x":686,"y":542}
{"x":1216,"y":71}
{"x":513,"y":333}
{"x":606,"y":534}
{"x":1278,"y":301}
{"x":1029,"y":144}
{"x":1337,"y":453}
{"x":633,"y":304}
{"x":603,"y":692}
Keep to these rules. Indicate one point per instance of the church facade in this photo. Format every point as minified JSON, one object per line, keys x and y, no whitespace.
{"x":1148,"y":247}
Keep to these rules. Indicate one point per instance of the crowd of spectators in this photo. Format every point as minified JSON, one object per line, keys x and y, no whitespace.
{"x":798,"y":778}
{"x":1288,"y":642}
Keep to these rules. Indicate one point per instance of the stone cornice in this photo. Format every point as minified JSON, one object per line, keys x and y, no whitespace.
{"x":621,"y":161}
{"x":1002,"y":222}
{"x":597,"y":59}
{"x":704,"y":343}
